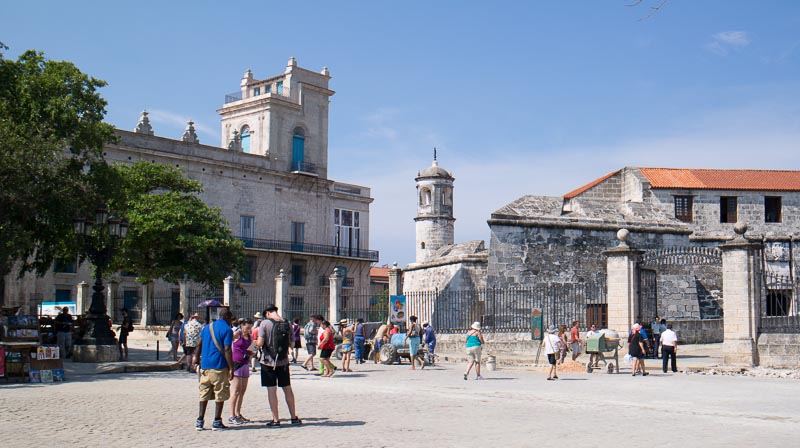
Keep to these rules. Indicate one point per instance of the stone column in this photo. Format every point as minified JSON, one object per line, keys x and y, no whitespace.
{"x":395,"y":280}
{"x":282,"y":291}
{"x":622,"y":284}
{"x":147,"y":302}
{"x":111,"y":290}
{"x":742,"y":309}
{"x":336,"y":282}
{"x":227,"y":291}
{"x":183,"y":290}
{"x":82,"y":302}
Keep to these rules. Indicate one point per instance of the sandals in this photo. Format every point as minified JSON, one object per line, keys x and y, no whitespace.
{"x":273,"y":424}
{"x":297,"y":421}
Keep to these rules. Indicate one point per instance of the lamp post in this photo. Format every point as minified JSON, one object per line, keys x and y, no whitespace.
{"x":100,"y":238}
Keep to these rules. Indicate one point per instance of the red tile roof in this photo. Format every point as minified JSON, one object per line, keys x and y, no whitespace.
{"x":589,"y":186}
{"x":707,"y":179}
{"x":379,"y":274}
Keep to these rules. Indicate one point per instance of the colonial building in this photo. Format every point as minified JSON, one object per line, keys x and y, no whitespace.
{"x":270,"y":179}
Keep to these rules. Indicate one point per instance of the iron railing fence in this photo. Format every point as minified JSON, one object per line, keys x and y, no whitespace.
{"x":309,"y":248}
{"x":303,"y":302}
{"x":780,"y":312}
{"x":166,"y":304}
{"x":508,"y":310}
{"x":370,"y":304}
{"x":249,"y":301}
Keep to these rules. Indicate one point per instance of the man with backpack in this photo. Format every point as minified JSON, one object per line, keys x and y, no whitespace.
{"x":275,"y":339}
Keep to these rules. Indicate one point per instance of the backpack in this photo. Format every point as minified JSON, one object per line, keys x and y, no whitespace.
{"x":310,"y":338}
{"x":282,"y":338}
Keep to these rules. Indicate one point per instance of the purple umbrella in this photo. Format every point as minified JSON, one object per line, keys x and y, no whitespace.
{"x":207,"y":303}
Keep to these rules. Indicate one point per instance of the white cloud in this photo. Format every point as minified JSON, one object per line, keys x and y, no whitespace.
{"x":723,"y":42}
{"x":177,"y":123}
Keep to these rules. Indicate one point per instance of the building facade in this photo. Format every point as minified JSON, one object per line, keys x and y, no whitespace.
{"x":269,"y":179}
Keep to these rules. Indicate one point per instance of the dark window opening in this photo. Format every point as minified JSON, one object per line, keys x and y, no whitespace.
{"x":64,"y":266}
{"x":727,"y":209}
{"x":683,"y":208}
{"x":772,"y":209}
{"x":597,"y":314}
{"x":250,"y":268}
{"x":298,"y":273}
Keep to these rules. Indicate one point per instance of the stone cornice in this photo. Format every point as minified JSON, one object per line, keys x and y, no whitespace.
{"x":588,"y":225}
{"x":464,"y":259}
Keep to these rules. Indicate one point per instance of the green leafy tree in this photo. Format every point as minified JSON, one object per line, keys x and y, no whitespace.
{"x":172,"y":232}
{"x":51,"y":131}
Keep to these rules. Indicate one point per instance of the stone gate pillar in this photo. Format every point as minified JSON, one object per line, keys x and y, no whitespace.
{"x":742,"y":309}
{"x":395,"y":280}
{"x":622,"y":285}
{"x":183,"y":291}
{"x":336,"y":282}
{"x":227,"y":291}
{"x":282,"y":291}
{"x":82,"y":294}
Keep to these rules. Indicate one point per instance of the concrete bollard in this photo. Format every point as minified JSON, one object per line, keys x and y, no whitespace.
{"x":491,"y":363}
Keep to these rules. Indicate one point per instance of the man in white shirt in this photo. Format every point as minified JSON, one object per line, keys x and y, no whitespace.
{"x":552,"y":344}
{"x":669,"y":348}
{"x":594,"y":358}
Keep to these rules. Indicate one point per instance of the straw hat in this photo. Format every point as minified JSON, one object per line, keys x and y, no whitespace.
{"x":258,"y":315}
{"x":476,"y":326}
{"x":552,"y":329}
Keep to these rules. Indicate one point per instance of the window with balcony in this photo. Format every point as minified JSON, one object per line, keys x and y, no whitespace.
{"x":248,"y":229}
{"x":298,"y":149}
{"x":245,"y":134}
{"x":248,"y":275}
{"x":298,"y":236}
{"x":346,"y":231}
{"x":728,"y":209}
{"x":683,"y":208}
{"x":772,"y":209}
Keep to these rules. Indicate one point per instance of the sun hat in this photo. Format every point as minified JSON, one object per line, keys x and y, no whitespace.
{"x":552,"y":329}
{"x":476,"y":326}
{"x":258,"y":315}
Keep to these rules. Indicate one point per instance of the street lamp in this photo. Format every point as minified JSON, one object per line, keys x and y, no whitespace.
{"x":100,"y":239}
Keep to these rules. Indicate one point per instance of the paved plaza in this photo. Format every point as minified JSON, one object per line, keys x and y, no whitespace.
{"x":387,"y":406}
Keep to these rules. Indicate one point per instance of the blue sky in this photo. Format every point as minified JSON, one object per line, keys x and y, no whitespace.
{"x":520,"y":97}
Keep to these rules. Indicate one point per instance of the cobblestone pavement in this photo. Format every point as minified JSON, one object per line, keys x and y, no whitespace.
{"x":392,"y":406}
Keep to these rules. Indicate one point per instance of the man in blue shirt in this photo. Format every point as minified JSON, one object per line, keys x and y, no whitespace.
{"x":214,"y":356}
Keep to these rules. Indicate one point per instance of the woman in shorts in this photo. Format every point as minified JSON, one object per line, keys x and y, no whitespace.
{"x":414,"y":336}
{"x":475,"y":343}
{"x":636,"y":350}
{"x":347,"y":345}
{"x":241,"y":374}
{"x":326,"y":347}
{"x":174,"y":334}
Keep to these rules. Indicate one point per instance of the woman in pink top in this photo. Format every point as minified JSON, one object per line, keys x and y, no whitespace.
{"x":241,"y":374}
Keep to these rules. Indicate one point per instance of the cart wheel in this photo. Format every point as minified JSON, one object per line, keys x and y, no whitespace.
{"x":388,"y":354}
{"x":611,"y":367}
{"x":589,"y":367}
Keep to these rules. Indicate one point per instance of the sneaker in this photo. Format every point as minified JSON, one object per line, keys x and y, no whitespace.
{"x":198,"y":425}
{"x":478,"y":377}
{"x":465,"y":377}
{"x":234,"y":421}
{"x":218,"y":426}
{"x":244,"y":419}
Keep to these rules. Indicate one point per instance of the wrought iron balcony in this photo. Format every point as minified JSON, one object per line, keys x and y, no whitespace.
{"x":303,"y":167}
{"x":308,"y":248}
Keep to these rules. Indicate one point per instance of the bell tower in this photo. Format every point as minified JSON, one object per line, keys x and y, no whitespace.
{"x":434,"y":221}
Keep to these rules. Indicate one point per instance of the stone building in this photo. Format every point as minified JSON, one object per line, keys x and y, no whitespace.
{"x":269,"y":178}
{"x":677,"y":218}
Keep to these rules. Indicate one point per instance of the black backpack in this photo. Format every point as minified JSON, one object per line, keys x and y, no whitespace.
{"x":282,"y":337}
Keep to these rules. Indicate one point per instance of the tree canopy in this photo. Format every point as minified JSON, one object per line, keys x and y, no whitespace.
{"x":51,"y":131}
{"x":173,"y":233}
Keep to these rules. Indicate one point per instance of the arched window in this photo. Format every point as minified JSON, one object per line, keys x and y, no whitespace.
{"x":298,"y":149}
{"x":245,"y":138}
{"x":425,"y":197}
{"x":422,"y":245}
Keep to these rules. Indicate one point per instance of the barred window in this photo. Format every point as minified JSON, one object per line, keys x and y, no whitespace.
{"x":683,"y":208}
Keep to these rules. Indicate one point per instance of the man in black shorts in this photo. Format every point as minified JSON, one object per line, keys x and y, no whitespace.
{"x":275,"y":372}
